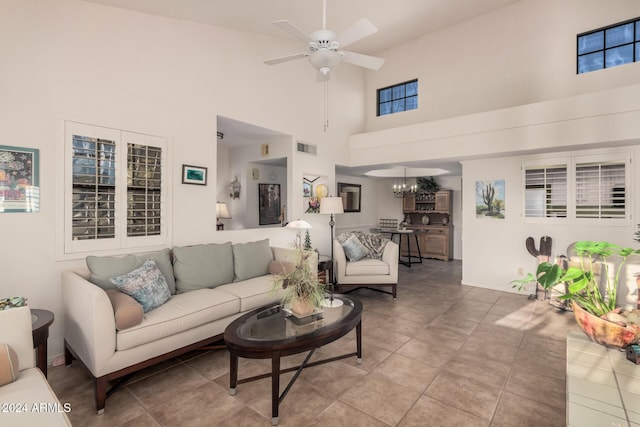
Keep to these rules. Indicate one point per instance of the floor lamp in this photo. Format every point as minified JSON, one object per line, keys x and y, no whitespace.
{"x":332,"y":206}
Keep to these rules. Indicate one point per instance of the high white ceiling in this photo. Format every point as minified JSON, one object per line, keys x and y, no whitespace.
{"x":398,"y":21}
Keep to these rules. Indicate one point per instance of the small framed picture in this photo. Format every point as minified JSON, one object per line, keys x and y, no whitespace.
{"x":194,"y":175}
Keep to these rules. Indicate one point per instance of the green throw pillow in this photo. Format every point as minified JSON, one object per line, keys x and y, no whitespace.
{"x":202,"y":266}
{"x":103,"y":268}
{"x":251,"y":259}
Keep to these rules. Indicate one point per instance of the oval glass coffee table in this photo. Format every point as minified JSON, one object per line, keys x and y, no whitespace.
{"x":272,"y":332}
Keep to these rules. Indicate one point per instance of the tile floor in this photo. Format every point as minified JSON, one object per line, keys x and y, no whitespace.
{"x":442,"y":354}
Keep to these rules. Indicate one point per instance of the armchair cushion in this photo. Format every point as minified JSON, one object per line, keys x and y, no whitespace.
{"x":9,"y":364}
{"x":367,"y":267}
{"x":353,"y":249}
{"x":146,"y":284}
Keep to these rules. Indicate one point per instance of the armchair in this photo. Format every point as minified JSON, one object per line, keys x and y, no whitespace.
{"x":34,"y":403}
{"x":370,"y":273}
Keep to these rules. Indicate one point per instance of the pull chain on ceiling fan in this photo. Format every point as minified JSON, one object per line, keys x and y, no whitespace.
{"x":324,"y":48}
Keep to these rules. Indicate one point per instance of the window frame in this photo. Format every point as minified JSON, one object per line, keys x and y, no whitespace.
{"x":603,"y":159}
{"x":405,"y":97}
{"x":634,"y":43}
{"x":546,"y":163}
{"x":121,"y":243}
{"x":571,"y":162}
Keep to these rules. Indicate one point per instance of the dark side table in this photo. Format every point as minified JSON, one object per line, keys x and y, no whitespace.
{"x":325,"y":269}
{"x":40,"y":322}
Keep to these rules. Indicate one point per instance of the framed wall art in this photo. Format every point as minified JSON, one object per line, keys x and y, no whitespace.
{"x":351,"y":196}
{"x":269,"y":204}
{"x":194,"y":175}
{"x":314,"y":188}
{"x":490,"y":199}
{"x":19,"y":179}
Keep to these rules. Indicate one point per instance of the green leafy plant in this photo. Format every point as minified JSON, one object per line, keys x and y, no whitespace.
{"x":582,"y":279}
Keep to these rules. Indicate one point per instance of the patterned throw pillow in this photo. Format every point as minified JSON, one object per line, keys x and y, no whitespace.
{"x":146,"y":284}
{"x":354,"y":249}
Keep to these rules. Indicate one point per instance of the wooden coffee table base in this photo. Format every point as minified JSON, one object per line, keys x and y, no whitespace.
{"x":275,"y":373}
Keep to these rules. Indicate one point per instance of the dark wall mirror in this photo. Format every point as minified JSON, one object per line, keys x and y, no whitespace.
{"x":351,"y":196}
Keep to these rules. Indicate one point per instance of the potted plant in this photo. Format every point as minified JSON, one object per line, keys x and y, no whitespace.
{"x":302,"y":291}
{"x":592,"y":291}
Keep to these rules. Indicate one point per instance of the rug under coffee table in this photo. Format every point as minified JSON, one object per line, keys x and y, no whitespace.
{"x":272,"y":332}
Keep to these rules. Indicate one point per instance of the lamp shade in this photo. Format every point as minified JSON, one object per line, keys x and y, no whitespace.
{"x":298,"y":224}
{"x":331,"y":205}
{"x":222,"y":211}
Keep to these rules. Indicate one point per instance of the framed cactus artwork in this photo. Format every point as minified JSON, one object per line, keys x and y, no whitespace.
{"x":490,"y":199}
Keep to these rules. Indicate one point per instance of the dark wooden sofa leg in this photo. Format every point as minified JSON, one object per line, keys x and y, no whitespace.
{"x":101,"y":393}
{"x":68,"y":356}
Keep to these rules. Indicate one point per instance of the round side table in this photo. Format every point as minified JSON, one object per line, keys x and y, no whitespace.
{"x":40,"y":322}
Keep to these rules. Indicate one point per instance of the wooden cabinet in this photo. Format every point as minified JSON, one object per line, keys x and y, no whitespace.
{"x":409,"y":203}
{"x":439,"y":202}
{"x":437,"y":243}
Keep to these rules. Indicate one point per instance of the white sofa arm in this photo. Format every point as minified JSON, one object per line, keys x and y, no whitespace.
{"x":340,"y":261}
{"x":390,"y":256}
{"x":89,"y":324}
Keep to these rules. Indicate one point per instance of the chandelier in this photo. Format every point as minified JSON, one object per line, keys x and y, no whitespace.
{"x":402,"y":189}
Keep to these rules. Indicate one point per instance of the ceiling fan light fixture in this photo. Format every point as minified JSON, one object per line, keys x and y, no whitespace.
{"x":324,"y":60}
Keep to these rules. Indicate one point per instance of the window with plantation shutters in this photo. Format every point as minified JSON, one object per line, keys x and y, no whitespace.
{"x":94,"y":188}
{"x":115,"y":189}
{"x":144,"y":197}
{"x":546,"y":192}
{"x":601,"y":190}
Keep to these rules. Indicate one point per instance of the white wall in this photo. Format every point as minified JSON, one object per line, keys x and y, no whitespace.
{"x":520,"y":54}
{"x":494,"y":249}
{"x":73,"y":59}
{"x":370,"y":198}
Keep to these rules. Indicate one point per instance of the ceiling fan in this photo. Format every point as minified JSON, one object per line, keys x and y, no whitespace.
{"x":325,"y":49}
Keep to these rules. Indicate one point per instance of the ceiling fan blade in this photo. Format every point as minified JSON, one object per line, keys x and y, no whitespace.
{"x":366,"y":61}
{"x":288,"y":27}
{"x":357,"y":31}
{"x":274,"y":61}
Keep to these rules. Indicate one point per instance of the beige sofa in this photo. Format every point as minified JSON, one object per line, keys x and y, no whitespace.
{"x":27,"y":401}
{"x":195,"y":316}
{"x":368,"y":272}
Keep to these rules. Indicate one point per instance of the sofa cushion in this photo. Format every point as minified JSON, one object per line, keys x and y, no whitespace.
{"x":9,"y":364}
{"x":145,"y":284}
{"x":202,"y":266}
{"x":253,"y":293}
{"x":182,"y":312}
{"x":103,"y":268}
{"x":367,"y":267}
{"x":126,"y":311}
{"x":251,"y":259}
{"x":354,"y":249}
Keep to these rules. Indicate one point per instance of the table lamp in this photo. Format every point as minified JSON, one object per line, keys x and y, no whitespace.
{"x":222,"y":212}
